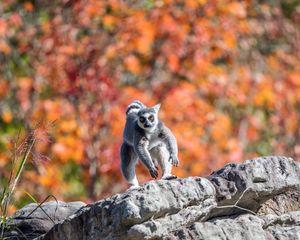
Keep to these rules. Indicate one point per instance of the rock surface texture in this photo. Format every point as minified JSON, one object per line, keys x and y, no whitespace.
{"x":33,"y":220}
{"x":257,"y":199}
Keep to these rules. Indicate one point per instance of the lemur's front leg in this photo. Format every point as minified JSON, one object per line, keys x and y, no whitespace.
{"x":141,"y":149}
{"x":162,"y":155}
{"x":169,"y":139}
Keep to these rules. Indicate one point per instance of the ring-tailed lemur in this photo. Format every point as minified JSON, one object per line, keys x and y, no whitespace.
{"x":147,"y":138}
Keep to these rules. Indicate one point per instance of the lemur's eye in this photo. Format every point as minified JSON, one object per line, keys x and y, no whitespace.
{"x":142,"y":119}
{"x":151,"y":118}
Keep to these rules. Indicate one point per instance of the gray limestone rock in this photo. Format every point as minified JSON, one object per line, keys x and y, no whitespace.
{"x":258,"y":180}
{"x":245,"y":226}
{"x":257,"y":199}
{"x":282,"y":203}
{"x":155,"y":208}
{"x":32,"y":221}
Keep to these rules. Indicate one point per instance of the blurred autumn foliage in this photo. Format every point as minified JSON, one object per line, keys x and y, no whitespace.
{"x":227,"y":73}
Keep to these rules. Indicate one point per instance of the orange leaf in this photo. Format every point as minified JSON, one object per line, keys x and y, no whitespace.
{"x":3,"y":27}
{"x":4,"y":47}
{"x":132,"y":64}
{"x":28,"y":6}
{"x":173,"y":62}
{"x":7,"y":116}
{"x":294,"y":78}
{"x":109,"y":21}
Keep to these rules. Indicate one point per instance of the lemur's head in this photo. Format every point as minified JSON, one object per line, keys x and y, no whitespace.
{"x":148,"y":118}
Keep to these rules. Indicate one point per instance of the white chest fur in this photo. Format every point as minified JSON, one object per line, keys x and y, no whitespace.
{"x":154,"y":141}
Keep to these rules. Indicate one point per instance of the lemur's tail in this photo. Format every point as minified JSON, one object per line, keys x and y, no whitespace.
{"x":134,"y":107}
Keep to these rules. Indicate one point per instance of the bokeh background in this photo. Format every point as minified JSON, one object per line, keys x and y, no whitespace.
{"x":226,"y":72}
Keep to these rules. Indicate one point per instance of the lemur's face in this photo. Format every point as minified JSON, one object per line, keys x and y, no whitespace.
{"x":148,"y":118}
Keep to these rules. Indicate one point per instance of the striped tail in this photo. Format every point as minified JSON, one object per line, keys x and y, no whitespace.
{"x":134,"y":107}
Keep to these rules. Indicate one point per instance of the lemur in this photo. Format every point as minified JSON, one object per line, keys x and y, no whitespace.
{"x":145,"y":137}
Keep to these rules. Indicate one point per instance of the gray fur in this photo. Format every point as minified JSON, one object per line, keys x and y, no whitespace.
{"x":134,"y":107}
{"x":147,"y":138}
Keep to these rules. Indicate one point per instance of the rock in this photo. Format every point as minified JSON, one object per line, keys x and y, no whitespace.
{"x":282,"y":203}
{"x":225,"y":205}
{"x":135,"y":210}
{"x":32,"y":221}
{"x":241,"y":227}
{"x":285,"y":226}
{"x":257,"y":199}
{"x":258,"y":180}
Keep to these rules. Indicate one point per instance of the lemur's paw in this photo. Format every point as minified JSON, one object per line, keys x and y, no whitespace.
{"x":169,"y":177}
{"x":174,"y":160}
{"x":153,"y":172}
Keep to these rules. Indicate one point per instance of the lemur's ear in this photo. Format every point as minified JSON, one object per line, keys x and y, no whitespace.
{"x":156,"y":107}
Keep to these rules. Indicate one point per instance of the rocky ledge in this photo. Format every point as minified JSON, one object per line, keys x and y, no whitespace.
{"x":257,"y":199}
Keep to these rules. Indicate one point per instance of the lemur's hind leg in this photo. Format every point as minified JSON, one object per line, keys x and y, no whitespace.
{"x":161,"y":155}
{"x":128,"y":164}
